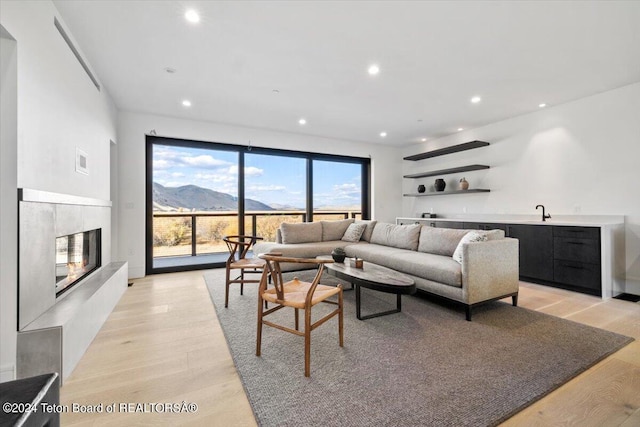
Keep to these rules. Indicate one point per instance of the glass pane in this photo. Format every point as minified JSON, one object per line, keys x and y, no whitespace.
{"x":275,"y":192}
{"x":195,"y":194}
{"x":337,"y":190}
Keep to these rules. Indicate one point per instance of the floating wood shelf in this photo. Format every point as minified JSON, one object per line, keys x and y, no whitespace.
{"x":444,"y":193}
{"x":448,"y":150}
{"x":448,"y":171}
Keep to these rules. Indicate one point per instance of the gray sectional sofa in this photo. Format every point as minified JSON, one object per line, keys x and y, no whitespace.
{"x":484,"y":270}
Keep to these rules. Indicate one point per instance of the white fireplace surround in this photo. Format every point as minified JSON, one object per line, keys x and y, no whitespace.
{"x":53,"y":333}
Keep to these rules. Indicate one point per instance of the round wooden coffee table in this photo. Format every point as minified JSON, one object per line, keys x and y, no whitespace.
{"x":375,"y":277}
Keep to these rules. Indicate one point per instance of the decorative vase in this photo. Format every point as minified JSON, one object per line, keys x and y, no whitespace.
{"x":440,"y":184}
{"x":421,"y":188}
{"x":338,"y":256}
{"x":464,"y":184}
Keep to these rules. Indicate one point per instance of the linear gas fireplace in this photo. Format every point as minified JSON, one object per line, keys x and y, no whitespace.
{"x":77,"y":255}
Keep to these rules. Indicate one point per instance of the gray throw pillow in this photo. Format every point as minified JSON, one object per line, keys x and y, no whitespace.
{"x":366,"y":236}
{"x":353,"y":233}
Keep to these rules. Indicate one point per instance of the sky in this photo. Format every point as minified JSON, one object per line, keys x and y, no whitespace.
{"x":273,"y":180}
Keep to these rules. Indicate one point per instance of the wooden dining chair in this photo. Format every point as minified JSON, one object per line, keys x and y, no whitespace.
{"x":298,"y":295}
{"x":239,"y":247}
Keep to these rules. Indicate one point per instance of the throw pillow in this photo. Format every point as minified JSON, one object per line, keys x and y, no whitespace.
{"x":366,"y":236}
{"x":472,"y":236}
{"x":353,"y":233}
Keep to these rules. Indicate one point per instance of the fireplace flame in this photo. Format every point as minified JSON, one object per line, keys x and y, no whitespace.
{"x":75,"y":269}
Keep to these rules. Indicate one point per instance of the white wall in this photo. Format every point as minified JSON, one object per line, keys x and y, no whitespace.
{"x":8,"y":205}
{"x":58,"y":109}
{"x":576,"y":158}
{"x":385,"y":161}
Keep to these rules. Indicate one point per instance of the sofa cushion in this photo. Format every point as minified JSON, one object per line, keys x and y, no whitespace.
{"x":437,"y":268}
{"x":440,"y":241}
{"x":366,"y":236}
{"x":377,"y":254}
{"x":334,"y":230}
{"x":397,"y":236}
{"x":354,"y":232}
{"x":471,"y":236}
{"x":301,"y":232}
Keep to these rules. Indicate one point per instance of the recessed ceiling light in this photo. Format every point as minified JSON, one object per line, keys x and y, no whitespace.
{"x":302,"y":121}
{"x":459,"y":129}
{"x":186,"y":103}
{"x":423,"y":139}
{"x":192,"y":16}
{"x":275,"y":91}
{"x":373,"y":69}
{"x":542,"y":105}
{"x":476,"y":99}
{"x":170,"y":70}
{"x":383,"y":134}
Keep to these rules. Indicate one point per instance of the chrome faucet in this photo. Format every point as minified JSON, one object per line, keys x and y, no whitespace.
{"x":544,"y":217}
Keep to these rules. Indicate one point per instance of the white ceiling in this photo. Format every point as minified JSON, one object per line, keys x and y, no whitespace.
{"x":433,"y":56}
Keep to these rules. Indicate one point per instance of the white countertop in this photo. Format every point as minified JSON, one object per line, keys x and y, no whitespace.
{"x":568,"y":220}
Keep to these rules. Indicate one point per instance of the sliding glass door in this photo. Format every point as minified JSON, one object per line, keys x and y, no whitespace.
{"x":199,"y":192}
{"x":194,"y":205}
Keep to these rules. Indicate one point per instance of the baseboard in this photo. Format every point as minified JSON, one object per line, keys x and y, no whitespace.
{"x":7,"y":373}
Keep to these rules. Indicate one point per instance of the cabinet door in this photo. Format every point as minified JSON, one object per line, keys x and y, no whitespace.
{"x":584,"y":276}
{"x":536,"y":250}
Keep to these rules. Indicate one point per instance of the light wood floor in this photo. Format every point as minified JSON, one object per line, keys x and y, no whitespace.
{"x":163,"y":344}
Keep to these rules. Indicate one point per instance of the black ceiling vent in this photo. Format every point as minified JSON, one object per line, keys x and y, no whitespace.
{"x":66,"y":38}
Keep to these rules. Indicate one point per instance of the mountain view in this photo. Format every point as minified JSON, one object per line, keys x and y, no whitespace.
{"x":192,"y":197}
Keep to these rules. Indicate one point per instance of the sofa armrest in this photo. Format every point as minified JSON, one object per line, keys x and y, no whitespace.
{"x":490,"y":269}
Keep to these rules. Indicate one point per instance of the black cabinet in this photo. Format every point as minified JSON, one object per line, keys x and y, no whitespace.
{"x":562,"y":256}
{"x":576,"y":258}
{"x":578,"y":276}
{"x":536,"y":250}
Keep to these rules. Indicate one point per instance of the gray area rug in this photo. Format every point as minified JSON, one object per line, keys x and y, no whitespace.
{"x":426,"y":366}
